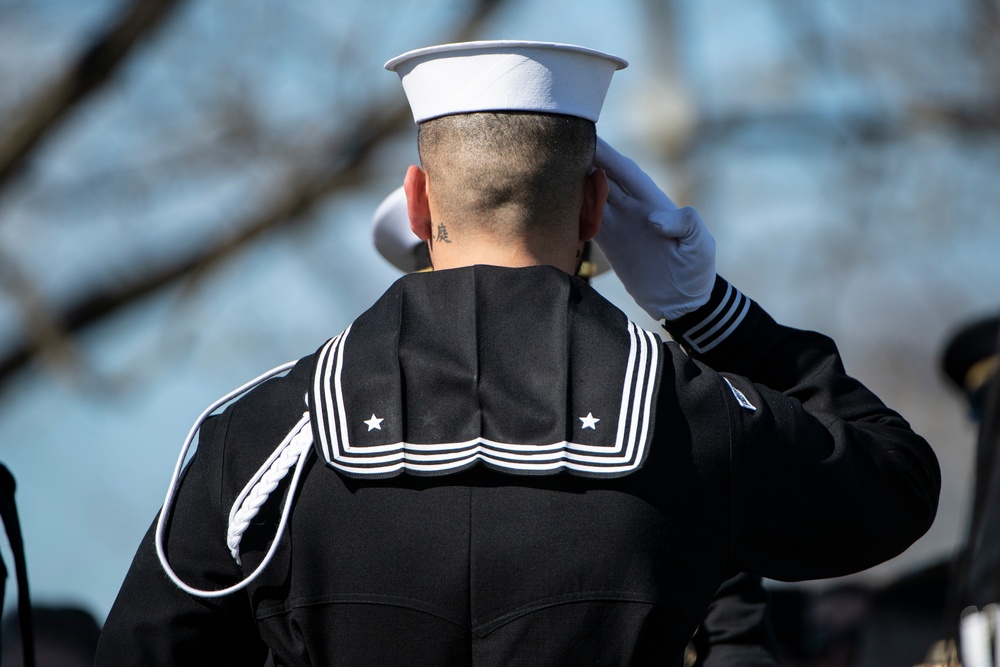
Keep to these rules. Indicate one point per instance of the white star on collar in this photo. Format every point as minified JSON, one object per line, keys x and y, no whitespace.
{"x":590,"y":421}
{"x":375,"y":423}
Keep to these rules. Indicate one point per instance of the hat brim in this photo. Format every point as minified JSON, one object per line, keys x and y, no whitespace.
{"x":505,"y":75}
{"x":501,"y":44}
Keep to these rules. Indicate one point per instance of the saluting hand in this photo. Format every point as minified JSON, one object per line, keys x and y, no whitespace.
{"x":664,"y":255}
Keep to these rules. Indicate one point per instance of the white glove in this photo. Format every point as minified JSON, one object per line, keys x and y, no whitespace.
{"x":663,"y":255}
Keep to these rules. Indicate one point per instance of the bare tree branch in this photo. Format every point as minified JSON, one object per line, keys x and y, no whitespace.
{"x":43,"y":326}
{"x":305,"y":190}
{"x":343,"y":167}
{"x":92,"y":68}
{"x":864,"y":128}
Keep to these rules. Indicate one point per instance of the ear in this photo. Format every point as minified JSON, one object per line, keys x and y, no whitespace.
{"x":417,"y":207}
{"x":595,"y":193}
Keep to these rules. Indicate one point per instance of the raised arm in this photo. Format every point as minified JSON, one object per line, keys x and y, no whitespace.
{"x":826,"y":479}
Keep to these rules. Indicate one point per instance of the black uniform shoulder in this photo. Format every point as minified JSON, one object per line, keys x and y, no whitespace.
{"x":278,"y":399}
{"x":235,"y":443}
{"x":695,"y":420}
{"x":702,"y":395}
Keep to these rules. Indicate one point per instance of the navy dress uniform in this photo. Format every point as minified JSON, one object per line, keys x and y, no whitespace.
{"x":441,"y":484}
{"x":736,"y":630}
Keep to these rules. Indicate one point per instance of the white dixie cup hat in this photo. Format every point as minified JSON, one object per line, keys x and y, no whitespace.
{"x":498,"y":75}
{"x":505,"y":75}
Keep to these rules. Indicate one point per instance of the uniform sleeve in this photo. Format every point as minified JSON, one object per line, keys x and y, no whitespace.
{"x":152,"y":622}
{"x":825,"y":479}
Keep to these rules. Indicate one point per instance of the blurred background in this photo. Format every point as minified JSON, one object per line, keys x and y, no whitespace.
{"x":186,"y":191}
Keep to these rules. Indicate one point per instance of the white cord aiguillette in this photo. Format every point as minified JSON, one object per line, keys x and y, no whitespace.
{"x":292,"y":452}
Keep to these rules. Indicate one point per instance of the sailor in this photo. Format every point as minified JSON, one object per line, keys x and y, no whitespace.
{"x":460,"y":487}
{"x":971,"y":361}
{"x":737,"y":629}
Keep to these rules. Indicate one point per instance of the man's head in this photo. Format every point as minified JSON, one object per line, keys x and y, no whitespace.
{"x":506,"y":139}
{"x":505,"y":177}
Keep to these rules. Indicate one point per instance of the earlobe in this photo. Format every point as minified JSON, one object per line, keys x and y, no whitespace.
{"x":417,"y":206}
{"x":595,"y":194}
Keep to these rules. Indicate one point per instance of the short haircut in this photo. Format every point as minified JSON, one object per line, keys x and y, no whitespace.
{"x":507,"y":172}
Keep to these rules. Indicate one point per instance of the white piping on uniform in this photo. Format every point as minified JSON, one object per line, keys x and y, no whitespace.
{"x":294,"y":449}
{"x":638,"y":386}
{"x":292,"y":441}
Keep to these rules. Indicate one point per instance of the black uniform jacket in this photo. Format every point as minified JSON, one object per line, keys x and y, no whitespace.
{"x":509,"y":473}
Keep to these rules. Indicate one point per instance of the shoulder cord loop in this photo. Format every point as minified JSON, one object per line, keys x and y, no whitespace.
{"x":293,"y":450}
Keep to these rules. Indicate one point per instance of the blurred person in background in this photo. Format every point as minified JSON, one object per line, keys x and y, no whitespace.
{"x":65,"y":636}
{"x":905,"y":615}
{"x":971,"y":361}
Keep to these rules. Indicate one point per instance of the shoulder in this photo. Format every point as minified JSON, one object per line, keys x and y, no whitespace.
{"x":696,"y":413}
{"x":237,"y":441}
{"x":275,"y":399}
{"x":698,"y":390}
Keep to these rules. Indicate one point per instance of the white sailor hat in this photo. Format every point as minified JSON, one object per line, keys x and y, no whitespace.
{"x":403,"y":249}
{"x":505,"y":75}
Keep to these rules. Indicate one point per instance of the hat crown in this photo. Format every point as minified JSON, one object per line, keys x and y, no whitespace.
{"x":505,"y":75}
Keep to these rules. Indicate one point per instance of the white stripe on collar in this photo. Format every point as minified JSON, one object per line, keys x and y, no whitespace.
{"x":626,"y":455}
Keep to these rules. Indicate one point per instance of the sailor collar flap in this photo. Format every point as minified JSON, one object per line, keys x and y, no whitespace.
{"x":527,"y":371}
